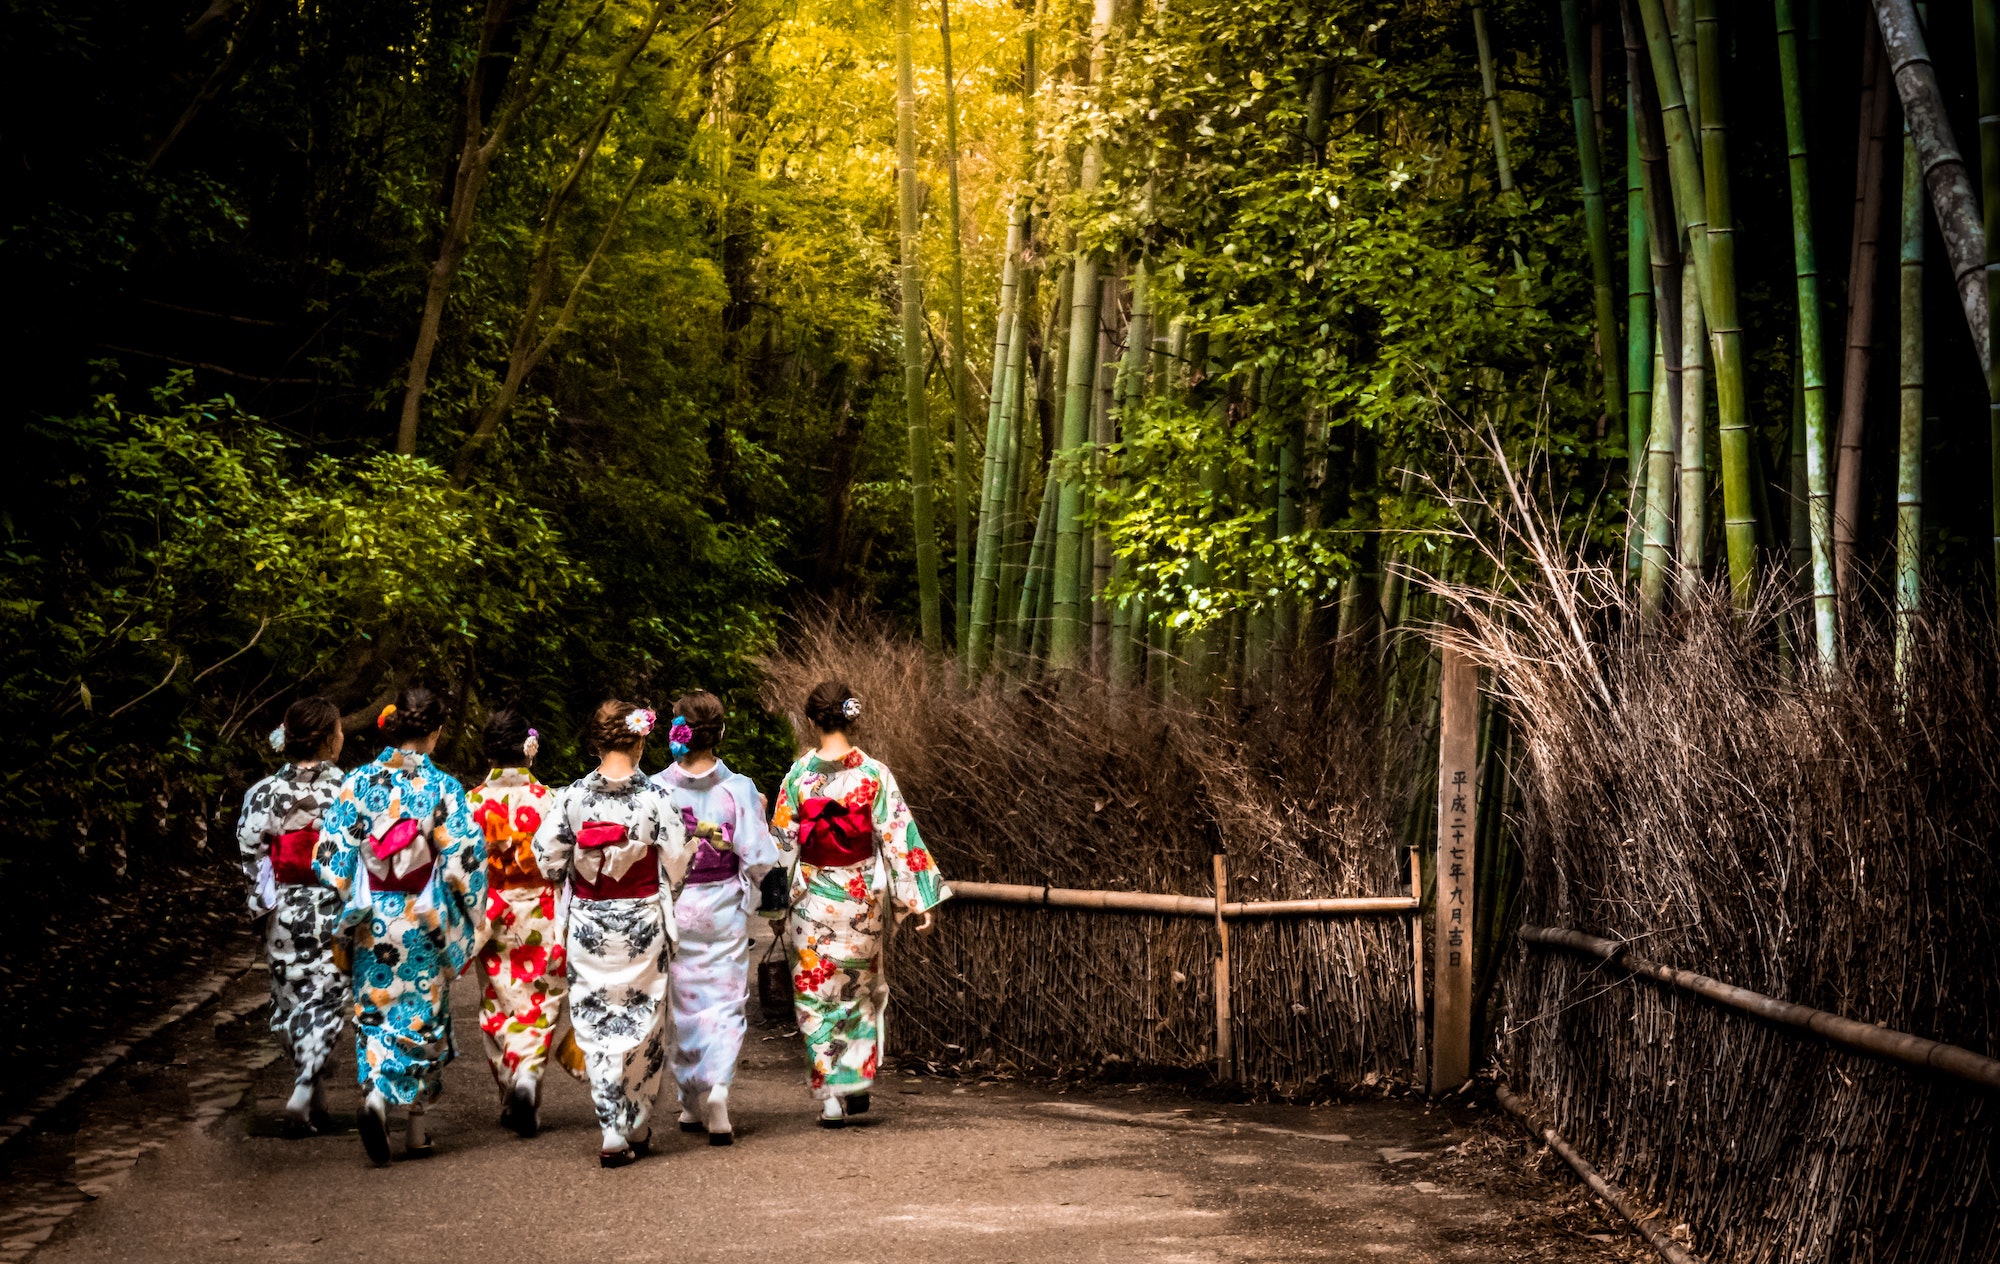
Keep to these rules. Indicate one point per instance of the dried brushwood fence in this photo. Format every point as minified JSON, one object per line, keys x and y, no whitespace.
{"x":1827,"y":843}
{"x":1072,"y":788}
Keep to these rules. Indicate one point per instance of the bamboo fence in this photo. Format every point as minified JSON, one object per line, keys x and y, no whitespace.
{"x":1087,"y":804}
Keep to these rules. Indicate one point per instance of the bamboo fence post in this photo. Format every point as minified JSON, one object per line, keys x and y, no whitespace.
{"x":1417,"y":959}
{"x":1225,"y":1044}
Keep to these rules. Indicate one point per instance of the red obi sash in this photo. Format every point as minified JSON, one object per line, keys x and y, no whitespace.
{"x":409,"y":884}
{"x":595,"y":834}
{"x":831,"y":834}
{"x":292,"y":857}
{"x":639,"y":882}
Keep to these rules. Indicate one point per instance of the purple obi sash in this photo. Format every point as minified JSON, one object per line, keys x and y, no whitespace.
{"x":710,"y":865}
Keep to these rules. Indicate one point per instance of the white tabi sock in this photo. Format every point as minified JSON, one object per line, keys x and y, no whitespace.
{"x":718,"y":1109}
{"x":832,"y":1108}
{"x":419,"y":1135}
{"x":301,"y":1103}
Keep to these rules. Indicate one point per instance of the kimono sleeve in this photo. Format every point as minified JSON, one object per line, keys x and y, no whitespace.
{"x":342,"y":831}
{"x":555,"y":840}
{"x":676,"y":848}
{"x":461,"y":876}
{"x":918,"y":888}
{"x":253,"y":824}
{"x":785,"y":820}
{"x":753,"y":842}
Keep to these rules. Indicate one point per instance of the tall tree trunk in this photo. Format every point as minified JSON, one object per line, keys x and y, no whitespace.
{"x":1876,"y":100}
{"x":1812,"y":357}
{"x":1596,"y":224}
{"x":961,"y":425}
{"x":1732,"y":402}
{"x":482,"y":143}
{"x":1066,"y":633}
{"x":1489,"y":90}
{"x":915,"y":393}
{"x":1910,"y":403}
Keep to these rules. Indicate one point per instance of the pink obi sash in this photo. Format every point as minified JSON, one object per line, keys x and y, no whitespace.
{"x":385,"y":848}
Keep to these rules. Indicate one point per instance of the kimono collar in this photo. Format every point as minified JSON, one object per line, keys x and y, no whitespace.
{"x":509,"y":777}
{"x":854,"y":758}
{"x":404,"y":760}
{"x":597,"y":783}
{"x":681,"y":779}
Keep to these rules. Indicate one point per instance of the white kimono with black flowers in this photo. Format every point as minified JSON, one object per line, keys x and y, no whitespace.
{"x":307,"y":952}
{"x":618,"y":950}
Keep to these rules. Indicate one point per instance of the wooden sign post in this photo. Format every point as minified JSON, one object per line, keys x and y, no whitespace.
{"x":1458,"y":756}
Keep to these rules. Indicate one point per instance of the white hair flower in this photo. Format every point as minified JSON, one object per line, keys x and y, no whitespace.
{"x":532,"y":745}
{"x":278,"y":738}
{"x":851,"y":709}
{"x":640,"y":721}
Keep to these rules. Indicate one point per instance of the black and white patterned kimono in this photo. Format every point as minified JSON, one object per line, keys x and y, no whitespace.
{"x":622,"y":852}
{"x":276,"y":833}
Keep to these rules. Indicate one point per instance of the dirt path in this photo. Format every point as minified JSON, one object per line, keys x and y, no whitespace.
{"x":178,"y":1158}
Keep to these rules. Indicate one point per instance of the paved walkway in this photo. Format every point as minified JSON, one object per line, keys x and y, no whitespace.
{"x":178,"y":1158}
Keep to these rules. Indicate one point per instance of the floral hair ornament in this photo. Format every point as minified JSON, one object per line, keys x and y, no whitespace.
{"x":530,"y":747}
{"x":679,"y":736}
{"x":640,"y":721}
{"x":382,"y":720}
{"x":278,"y":738}
{"x":851,"y":709}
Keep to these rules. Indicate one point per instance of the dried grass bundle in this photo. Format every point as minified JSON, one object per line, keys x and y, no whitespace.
{"x":1830,"y":843}
{"x":1075,"y":787}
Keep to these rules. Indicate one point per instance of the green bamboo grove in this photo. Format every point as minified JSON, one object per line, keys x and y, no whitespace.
{"x":1195,"y":473}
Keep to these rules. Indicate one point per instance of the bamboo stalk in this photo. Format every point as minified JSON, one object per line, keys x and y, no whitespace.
{"x":1649,"y":1227}
{"x":961,"y":374}
{"x":1880,"y":1042}
{"x":1732,"y":405}
{"x":915,"y":387}
{"x":1490,"y":91}
{"x":1175,"y":905}
{"x":1910,"y":404}
{"x":1009,"y":342}
{"x":1657,"y":556}
{"x":1597,"y":229}
{"x":1950,"y":184}
{"x":1638,"y":339}
{"x":1692,"y":456}
{"x":1812,"y":358}
{"x":1876,"y":99}
{"x":1986,"y":55}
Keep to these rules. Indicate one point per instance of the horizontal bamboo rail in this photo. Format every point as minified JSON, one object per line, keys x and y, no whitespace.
{"x":1174,"y":905}
{"x":1649,"y":1227}
{"x":1879,"y":1042}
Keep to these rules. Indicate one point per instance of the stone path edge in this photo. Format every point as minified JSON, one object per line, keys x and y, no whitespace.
{"x":116,"y":1051}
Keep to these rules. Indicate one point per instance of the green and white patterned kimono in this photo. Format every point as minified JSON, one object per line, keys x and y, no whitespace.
{"x":843,"y":821}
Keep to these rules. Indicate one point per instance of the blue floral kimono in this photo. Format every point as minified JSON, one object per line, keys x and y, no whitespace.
{"x":400,"y":847}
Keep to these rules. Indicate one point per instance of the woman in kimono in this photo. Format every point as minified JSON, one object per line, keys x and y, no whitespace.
{"x":840,"y":814}
{"x":622,"y":851}
{"x":277,"y":833}
{"x":724,"y":817}
{"x":521,"y":962}
{"x":400,"y":848}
